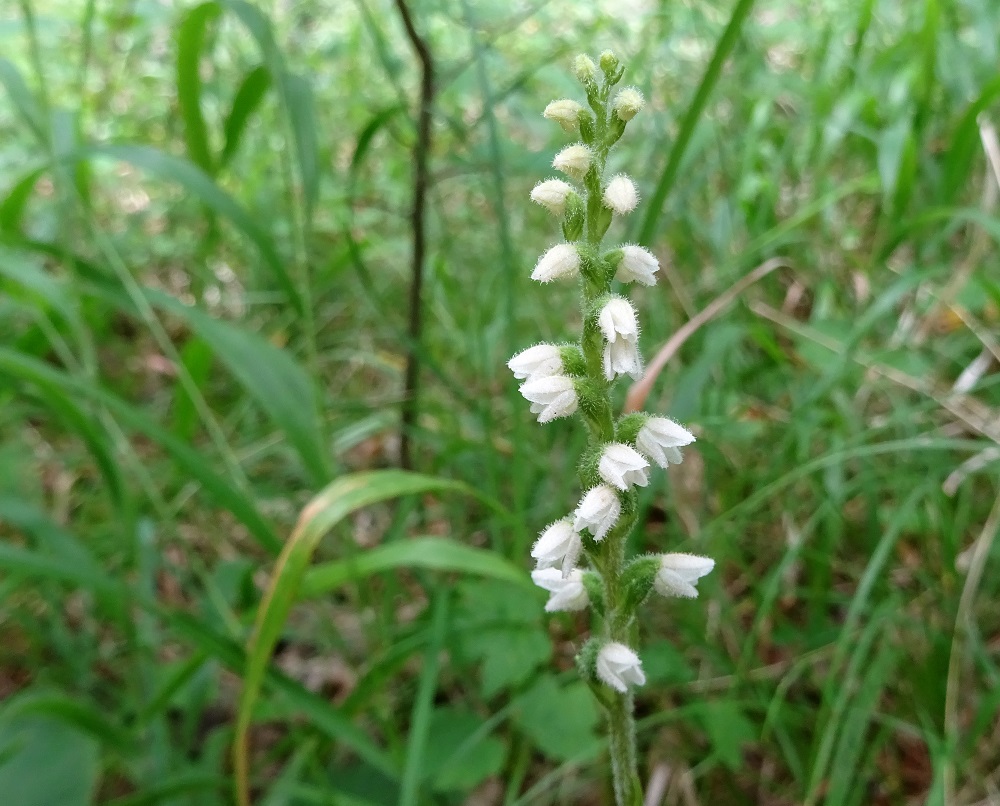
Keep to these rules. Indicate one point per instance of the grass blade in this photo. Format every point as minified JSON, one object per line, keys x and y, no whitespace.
{"x":433,"y":553}
{"x":424,"y":704}
{"x":190,"y":42}
{"x":334,"y":503}
{"x":269,"y":374}
{"x":722,"y":50}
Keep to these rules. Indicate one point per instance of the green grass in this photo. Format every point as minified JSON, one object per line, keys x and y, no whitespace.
{"x":204,"y":257}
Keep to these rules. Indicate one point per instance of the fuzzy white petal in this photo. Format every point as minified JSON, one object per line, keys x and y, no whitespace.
{"x":660,"y":438}
{"x":550,"y":397}
{"x":622,"y":358}
{"x":637,"y":265}
{"x":628,"y":103}
{"x":567,"y":593}
{"x":539,"y":361}
{"x":562,"y":260}
{"x":620,"y":196}
{"x":565,"y":112}
{"x":617,"y":320}
{"x":619,"y":667}
{"x":574,"y":161}
{"x":679,"y":574}
{"x":558,"y":545}
{"x":622,"y":466}
{"x":552,"y":195}
{"x":598,"y":511}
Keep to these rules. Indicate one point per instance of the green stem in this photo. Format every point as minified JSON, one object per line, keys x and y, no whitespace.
{"x":609,"y":558}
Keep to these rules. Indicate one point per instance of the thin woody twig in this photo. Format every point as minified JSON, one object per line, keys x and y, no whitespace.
{"x":417,"y":222}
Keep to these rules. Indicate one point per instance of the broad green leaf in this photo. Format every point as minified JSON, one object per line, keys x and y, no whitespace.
{"x":500,"y":626}
{"x":334,"y":503}
{"x":727,"y":729}
{"x":45,"y":761}
{"x":559,"y":720}
{"x":461,"y":755}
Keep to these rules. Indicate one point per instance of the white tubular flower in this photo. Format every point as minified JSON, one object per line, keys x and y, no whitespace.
{"x":637,"y":265}
{"x":628,"y":103}
{"x":622,"y":466}
{"x":568,"y":593}
{"x":562,"y":260}
{"x":660,"y":438}
{"x":559,"y":545}
{"x":619,"y":667}
{"x":552,"y":195}
{"x":620,"y":196}
{"x":550,"y":397}
{"x":679,"y":573}
{"x":598,"y":511}
{"x":540,"y":361}
{"x":564,"y":112}
{"x":620,"y":327}
{"x":574,"y":161}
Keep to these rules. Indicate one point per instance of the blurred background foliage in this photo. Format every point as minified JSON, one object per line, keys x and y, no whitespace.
{"x":204,"y":262}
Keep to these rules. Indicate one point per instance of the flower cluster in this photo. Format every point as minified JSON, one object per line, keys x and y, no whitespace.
{"x":561,"y":380}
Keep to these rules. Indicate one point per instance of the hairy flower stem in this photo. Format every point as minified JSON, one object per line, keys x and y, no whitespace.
{"x":609,"y":556}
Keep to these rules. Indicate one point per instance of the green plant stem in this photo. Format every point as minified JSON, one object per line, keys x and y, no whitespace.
{"x":610,"y":554}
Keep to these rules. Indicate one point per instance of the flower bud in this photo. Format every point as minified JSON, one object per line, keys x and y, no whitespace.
{"x":539,"y":361}
{"x":622,"y":466}
{"x":620,"y":196}
{"x":598,"y":511}
{"x":619,"y":667}
{"x":565,"y":112}
{"x":609,"y":62}
{"x":628,"y":103}
{"x":679,"y":573}
{"x":574,"y":161}
{"x":567,"y":593}
{"x":584,"y":68}
{"x":637,"y":265}
{"x":560,"y":261}
{"x":553,"y":194}
{"x":659,"y":440}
